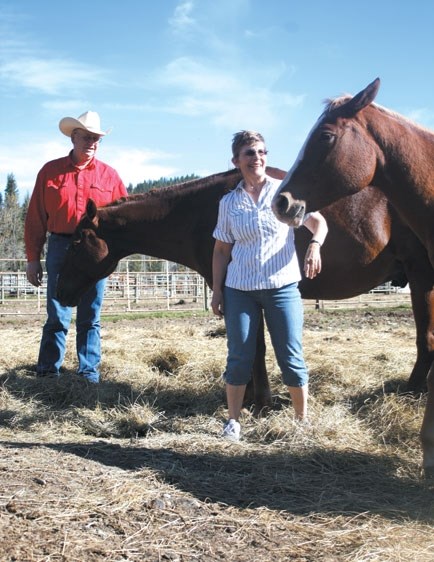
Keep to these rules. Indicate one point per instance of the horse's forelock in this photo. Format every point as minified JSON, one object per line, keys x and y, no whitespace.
{"x":333,"y":103}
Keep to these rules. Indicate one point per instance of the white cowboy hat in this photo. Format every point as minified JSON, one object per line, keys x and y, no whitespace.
{"x":88,"y":121}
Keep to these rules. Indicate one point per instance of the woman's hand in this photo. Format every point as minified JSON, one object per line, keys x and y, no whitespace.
{"x":317,"y":224}
{"x":312,"y":260}
{"x":217,"y":303}
{"x":220,"y":259}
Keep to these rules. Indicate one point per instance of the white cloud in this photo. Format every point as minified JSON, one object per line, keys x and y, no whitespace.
{"x":422,"y":115}
{"x":50,"y":76}
{"x":227,"y":98}
{"x":133,"y":165}
{"x":65,"y":107}
{"x":181,"y":18}
{"x":136,"y":165}
{"x":24,"y":63}
{"x":190,"y":74}
{"x":25,"y":161}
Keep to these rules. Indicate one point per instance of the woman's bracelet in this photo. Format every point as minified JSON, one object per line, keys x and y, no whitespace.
{"x":315,"y":242}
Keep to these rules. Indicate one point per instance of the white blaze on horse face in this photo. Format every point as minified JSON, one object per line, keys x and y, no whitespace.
{"x":291,"y":201}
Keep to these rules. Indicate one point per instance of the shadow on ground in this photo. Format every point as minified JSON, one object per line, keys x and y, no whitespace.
{"x":329,"y":482}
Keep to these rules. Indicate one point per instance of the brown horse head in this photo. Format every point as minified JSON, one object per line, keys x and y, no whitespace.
{"x":337,"y":159}
{"x":87,"y":260}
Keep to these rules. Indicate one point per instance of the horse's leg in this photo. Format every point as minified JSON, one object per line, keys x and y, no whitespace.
{"x":427,"y":430}
{"x":422,"y":298}
{"x":258,"y":390}
{"x":423,"y":312}
{"x":420,"y":276}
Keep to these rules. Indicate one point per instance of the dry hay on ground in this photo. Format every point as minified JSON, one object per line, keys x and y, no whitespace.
{"x":134,"y":469}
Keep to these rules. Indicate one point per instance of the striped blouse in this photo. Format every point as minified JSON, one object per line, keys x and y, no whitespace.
{"x":263,"y":255}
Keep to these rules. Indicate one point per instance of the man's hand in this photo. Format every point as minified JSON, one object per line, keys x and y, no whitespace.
{"x":34,"y":273}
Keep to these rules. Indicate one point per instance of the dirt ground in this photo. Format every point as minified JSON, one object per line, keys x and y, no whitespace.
{"x":134,"y":469}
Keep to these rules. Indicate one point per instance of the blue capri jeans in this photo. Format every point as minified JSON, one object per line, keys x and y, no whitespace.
{"x":283,"y":312}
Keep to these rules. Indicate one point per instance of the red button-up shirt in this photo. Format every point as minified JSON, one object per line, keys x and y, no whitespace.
{"x":60,"y":196}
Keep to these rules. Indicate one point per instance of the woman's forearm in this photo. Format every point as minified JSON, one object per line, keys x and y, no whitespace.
{"x":220,"y":260}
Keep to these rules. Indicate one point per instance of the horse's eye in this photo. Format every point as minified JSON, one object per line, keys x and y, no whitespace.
{"x":327,"y":137}
{"x":76,"y":240}
{"x":78,"y":237}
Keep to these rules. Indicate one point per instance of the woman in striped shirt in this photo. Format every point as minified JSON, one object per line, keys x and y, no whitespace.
{"x":255,"y":269}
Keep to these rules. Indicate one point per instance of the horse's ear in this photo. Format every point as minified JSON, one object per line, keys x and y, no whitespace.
{"x":359,"y":101}
{"x":366,"y":96}
{"x":91,"y":212}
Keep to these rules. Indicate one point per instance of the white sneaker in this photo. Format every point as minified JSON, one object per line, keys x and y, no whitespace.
{"x":232,"y":430}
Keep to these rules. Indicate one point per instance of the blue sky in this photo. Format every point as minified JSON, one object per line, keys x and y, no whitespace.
{"x":174,"y":79}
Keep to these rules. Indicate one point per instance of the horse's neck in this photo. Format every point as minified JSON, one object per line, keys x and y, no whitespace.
{"x":157,"y":227}
{"x":136,"y":227}
{"x":407,"y":173}
{"x":406,"y":161}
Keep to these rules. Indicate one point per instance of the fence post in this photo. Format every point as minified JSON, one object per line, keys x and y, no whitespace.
{"x":127,"y":280}
{"x":167,"y":286}
{"x":205,"y":295}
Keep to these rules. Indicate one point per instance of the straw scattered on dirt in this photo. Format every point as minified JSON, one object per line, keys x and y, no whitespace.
{"x":134,"y":469}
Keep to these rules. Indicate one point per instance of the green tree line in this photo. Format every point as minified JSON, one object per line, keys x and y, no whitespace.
{"x":147,"y":185}
{"x":13,"y":214}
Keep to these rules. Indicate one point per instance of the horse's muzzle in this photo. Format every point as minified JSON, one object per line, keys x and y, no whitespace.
{"x":288,"y":210}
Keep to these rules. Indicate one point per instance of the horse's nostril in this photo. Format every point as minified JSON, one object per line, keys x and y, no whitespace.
{"x":281,"y":204}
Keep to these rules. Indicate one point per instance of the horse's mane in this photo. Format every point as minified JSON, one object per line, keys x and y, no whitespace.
{"x":333,"y":103}
{"x":157,"y":203}
{"x":171,"y":191}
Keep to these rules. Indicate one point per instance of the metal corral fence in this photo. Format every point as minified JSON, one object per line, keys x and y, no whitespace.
{"x":137,"y":285}
{"x":148,"y":284}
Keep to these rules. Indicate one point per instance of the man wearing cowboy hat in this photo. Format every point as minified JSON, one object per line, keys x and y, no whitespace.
{"x":62,"y":190}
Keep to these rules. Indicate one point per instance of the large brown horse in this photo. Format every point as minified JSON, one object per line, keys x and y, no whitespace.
{"x":354,"y":144}
{"x":362,"y":250}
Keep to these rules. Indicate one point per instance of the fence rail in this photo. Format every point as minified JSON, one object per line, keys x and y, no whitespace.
{"x":136,"y":285}
{"x":148,"y":285}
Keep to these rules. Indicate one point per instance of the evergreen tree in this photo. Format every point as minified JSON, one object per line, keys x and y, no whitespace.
{"x":12,"y":215}
{"x":162,"y":182}
{"x":25,"y":206}
{"x":11,"y":192}
{"x":11,"y":226}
